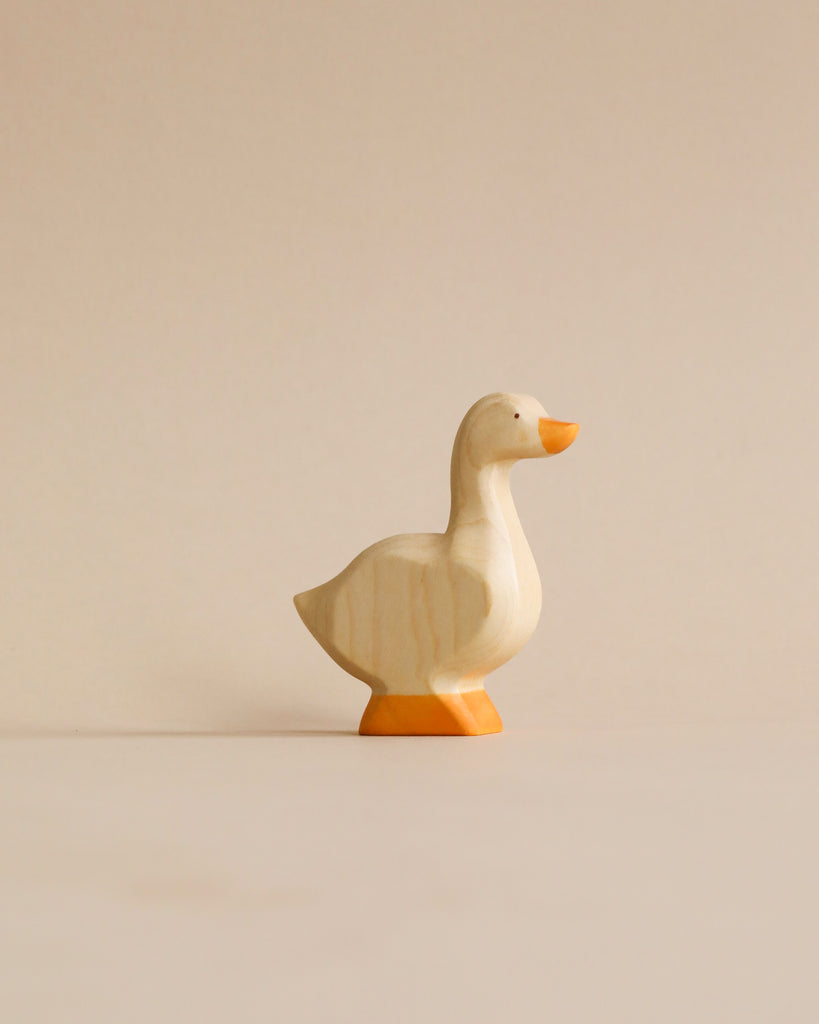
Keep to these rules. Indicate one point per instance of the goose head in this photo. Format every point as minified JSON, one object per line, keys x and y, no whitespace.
{"x":505,"y":427}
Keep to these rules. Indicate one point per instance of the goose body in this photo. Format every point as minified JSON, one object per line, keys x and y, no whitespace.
{"x":423,"y":618}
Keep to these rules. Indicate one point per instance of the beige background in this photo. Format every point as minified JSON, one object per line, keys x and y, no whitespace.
{"x":257,"y":261}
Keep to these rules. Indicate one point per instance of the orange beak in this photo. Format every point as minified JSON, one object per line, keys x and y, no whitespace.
{"x":555,"y":435}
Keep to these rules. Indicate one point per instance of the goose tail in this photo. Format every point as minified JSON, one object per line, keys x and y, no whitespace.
{"x":305,"y":603}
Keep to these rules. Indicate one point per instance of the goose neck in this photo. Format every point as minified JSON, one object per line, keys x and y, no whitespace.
{"x":480,"y":491}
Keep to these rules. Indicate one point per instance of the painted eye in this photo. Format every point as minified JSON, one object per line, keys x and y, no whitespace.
{"x":517,"y":415}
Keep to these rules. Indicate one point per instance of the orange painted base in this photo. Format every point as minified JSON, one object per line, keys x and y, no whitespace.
{"x":445,"y":714}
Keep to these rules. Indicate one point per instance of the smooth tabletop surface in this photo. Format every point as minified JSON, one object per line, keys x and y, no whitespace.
{"x":624,"y":875}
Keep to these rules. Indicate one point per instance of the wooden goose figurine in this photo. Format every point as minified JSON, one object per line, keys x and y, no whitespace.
{"x":423,"y":618}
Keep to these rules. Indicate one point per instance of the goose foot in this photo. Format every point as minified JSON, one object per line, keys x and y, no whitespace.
{"x":446,"y":714}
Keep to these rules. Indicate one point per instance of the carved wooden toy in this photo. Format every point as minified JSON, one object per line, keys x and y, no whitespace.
{"x":423,"y":618}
